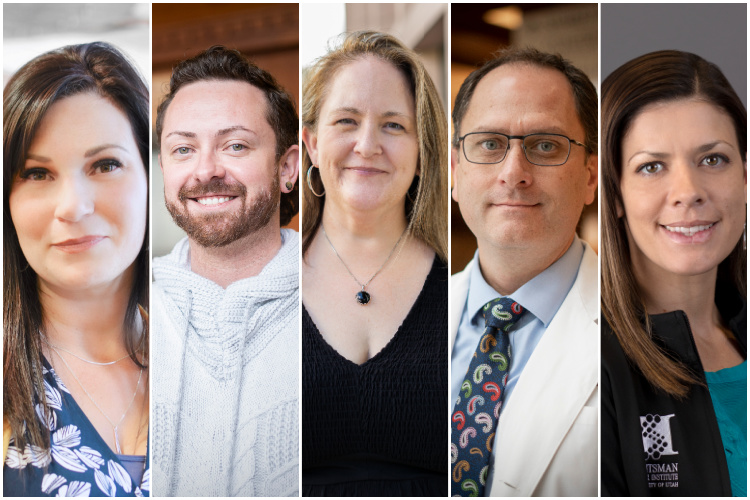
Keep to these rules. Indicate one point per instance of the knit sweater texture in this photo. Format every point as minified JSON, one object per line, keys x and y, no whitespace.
{"x":225,"y":376}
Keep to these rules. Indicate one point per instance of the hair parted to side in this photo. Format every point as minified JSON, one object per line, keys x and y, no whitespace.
{"x":428,"y":212}
{"x":221,"y":63}
{"x":584,"y":92}
{"x":94,"y":67}
{"x":662,"y":76}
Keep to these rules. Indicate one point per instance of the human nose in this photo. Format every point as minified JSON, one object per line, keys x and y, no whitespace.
{"x":368,"y":141}
{"x":515,"y":168}
{"x":209,"y":167}
{"x":686,"y":189}
{"x":75,"y":200}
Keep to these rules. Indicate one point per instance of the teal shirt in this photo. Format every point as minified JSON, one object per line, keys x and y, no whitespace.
{"x":728,"y":388}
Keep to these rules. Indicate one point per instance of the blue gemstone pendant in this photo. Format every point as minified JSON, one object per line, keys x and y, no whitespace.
{"x":363,"y":297}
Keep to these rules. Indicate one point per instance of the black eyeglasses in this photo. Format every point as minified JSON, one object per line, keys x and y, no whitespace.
{"x":547,"y":150}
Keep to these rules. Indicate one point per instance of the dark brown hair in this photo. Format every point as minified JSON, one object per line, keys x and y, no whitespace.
{"x":220,"y":63}
{"x":663,"y":76}
{"x":95,"y":67}
{"x":584,"y":91}
{"x":427,"y":197}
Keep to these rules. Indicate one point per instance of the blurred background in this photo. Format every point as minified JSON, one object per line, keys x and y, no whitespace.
{"x":268,"y":34}
{"x":479,"y":30}
{"x":424,"y":27}
{"x":716,"y":32}
{"x":33,"y":29}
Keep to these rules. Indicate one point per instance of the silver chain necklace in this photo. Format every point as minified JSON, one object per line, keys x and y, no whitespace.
{"x":114,"y":427}
{"x":97,"y":363}
{"x":362,"y":296}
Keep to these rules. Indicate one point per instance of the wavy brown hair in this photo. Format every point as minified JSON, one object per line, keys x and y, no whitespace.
{"x":428,"y":212}
{"x":95,"y":67}
{"x":663,"y":76}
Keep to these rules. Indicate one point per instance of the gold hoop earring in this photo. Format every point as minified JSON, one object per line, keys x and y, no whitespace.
{"x":309,"y":184}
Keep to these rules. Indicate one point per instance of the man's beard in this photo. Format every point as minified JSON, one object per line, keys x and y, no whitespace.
{"x":222,"y":228}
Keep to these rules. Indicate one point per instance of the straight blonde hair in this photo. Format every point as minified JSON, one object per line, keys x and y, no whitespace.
{"x":427,"y":199}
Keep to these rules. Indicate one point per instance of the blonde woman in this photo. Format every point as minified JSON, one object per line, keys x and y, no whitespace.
{"x":374,"y":276}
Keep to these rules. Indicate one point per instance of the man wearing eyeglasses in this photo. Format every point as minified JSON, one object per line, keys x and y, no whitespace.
{"x":525,"y":335}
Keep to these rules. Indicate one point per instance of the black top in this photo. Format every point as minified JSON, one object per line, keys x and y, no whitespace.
{"x":686,"y":456}
{"x":380,"y":428}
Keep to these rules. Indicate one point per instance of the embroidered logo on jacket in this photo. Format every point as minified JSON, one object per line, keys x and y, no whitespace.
{"x":657,"y":443}
{"x":657,"y":436}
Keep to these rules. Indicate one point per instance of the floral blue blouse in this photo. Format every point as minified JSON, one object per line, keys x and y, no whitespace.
{"x":79,"y":463}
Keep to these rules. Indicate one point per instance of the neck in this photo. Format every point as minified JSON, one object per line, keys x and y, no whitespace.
{"x":663,"y":291}
{"x":88,"y":322}
{"x":363,"y":243}
{"x":508,"y":269}
{"x":243,"y":258}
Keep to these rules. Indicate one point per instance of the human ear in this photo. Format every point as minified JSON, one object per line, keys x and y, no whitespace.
{"x":311,"y":144}
{"x":289,"y":168}
{"x":454,"y":161}
{"x":592,"y":178}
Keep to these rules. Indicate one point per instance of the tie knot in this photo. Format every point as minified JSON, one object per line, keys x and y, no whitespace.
{"x":502,"y":313}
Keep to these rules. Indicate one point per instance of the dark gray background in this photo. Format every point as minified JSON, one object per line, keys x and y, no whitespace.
{"x":716,"y":32}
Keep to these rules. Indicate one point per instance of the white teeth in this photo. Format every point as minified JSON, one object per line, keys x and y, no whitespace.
{"x":687,"y":231}
{"x":213,"y":200}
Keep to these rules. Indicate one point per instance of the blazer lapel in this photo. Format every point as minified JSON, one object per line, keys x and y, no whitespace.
{"x":559,"y":378}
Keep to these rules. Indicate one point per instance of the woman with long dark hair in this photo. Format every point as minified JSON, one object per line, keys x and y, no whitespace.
{"x":674,"y":370}
{"x":75,"y":329}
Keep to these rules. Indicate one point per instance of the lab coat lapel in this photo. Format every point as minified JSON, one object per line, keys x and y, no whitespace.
{"x":553,"y":388}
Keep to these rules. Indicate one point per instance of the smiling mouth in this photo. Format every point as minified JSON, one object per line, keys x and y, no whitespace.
{"x":208,"y":201}
{"x":78,"y":244}
{"x":689,"y":231}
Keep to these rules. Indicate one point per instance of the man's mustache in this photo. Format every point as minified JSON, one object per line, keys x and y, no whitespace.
{"x":215,"y":187}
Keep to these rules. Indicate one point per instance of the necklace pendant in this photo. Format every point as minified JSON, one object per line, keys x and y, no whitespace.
{"x":363,"y":297}
{"x":117,"y":442}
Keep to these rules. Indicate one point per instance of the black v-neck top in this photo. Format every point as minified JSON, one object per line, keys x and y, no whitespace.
{"x":380,"y":428}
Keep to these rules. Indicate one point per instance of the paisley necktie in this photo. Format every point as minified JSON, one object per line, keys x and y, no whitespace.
{"x":481,"y":396}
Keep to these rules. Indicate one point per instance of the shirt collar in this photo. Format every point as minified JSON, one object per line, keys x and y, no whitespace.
{"x":542,"y":296}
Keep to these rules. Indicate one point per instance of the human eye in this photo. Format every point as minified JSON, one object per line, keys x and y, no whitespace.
{"x":395,"y":126}
{"x":107,"y":165}
{"x":544,"y":145}
{"x":489,"y":144}
{"x":650,"y":168}
{"x":345,"y":121}
{"x":34,"y":174}
{"x":236,"y":148}
{"x":714,"y":160}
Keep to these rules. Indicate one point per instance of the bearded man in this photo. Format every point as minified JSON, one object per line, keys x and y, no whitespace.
{"x":225,"y":301}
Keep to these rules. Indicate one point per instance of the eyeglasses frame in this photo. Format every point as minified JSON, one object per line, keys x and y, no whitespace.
{"x":522,"y":138}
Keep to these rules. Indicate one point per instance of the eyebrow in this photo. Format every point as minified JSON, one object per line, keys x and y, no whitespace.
{"x":221,"y":132}
{"x":700,"y":149}
{"x":553,"y":129}
{"x":88,"y":154}
{"x":234,"y":128}
{"x":356,"y":111}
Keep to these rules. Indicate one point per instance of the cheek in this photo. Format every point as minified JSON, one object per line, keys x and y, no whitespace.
{"x":129,"y":212}
{"x":30,"y":216}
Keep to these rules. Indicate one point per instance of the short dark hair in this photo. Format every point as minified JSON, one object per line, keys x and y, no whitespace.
{"x":221,"y":63}
{"x":584,"y":91}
